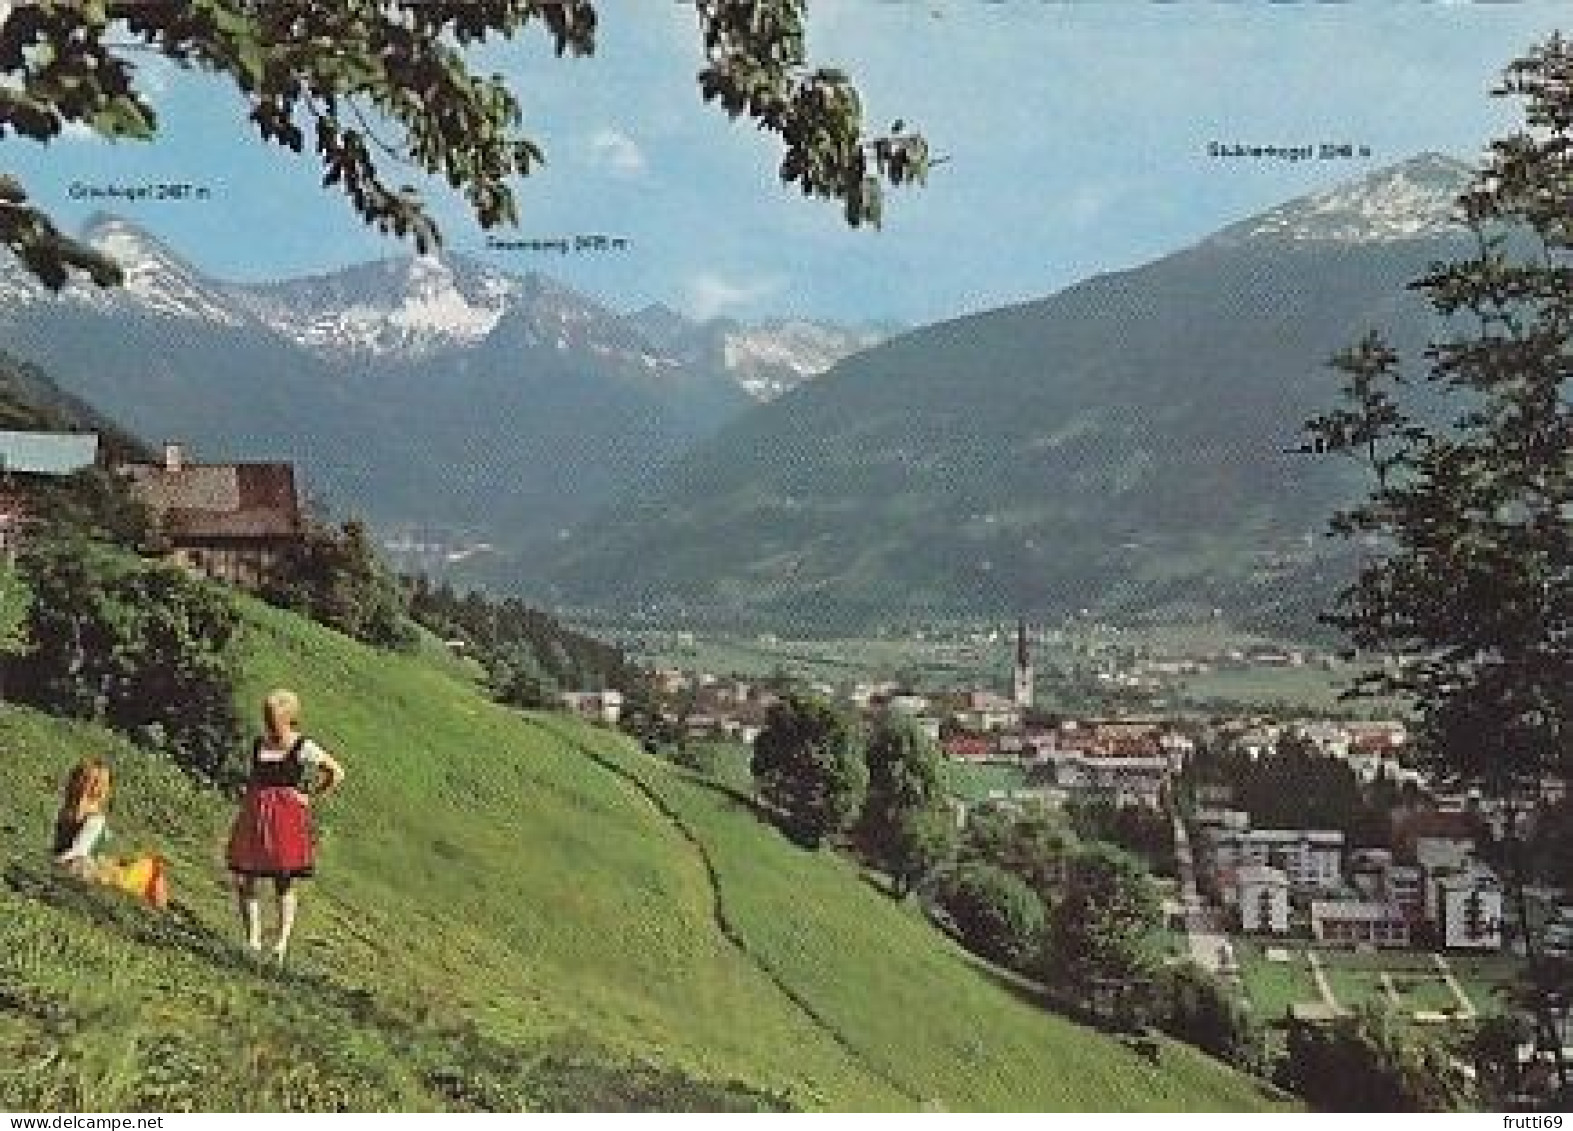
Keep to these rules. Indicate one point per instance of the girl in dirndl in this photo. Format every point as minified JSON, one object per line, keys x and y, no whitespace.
{"x":271,"y":838}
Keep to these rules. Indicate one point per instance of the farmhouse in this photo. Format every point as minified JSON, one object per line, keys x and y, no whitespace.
{"x":234,"y":522}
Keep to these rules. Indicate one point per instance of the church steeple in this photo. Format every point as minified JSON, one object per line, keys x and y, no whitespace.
{"x":1021,"y":683}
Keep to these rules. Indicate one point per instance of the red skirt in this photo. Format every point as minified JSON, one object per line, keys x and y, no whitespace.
{"x":272,"y":834}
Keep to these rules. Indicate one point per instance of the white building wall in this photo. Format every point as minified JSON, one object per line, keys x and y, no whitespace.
{"x":1471,"y":928}
{"x":1264,"y":907}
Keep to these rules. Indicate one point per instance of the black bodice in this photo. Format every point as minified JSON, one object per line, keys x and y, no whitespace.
{"x":286,"y":771}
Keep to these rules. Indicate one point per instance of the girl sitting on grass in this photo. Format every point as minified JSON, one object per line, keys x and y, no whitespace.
{"x":81,"y":822}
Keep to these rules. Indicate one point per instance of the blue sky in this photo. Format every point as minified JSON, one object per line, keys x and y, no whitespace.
{"x":1075,"y":134}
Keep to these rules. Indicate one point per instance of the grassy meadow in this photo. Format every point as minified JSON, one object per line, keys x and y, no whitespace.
{"x":513,"y":912}
{"x":1356,"y":977}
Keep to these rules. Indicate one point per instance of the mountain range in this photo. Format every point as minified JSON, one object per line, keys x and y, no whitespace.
{"x":30,"y":401}
{"x":430,"y":392}
{"x":1122,"y":446}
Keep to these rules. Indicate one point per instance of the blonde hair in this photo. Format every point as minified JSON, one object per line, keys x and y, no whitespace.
{"x":280,"y":711}
{"x":87,"y":791}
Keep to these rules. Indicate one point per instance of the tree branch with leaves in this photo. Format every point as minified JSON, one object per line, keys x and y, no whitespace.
{"x":373,"y":87}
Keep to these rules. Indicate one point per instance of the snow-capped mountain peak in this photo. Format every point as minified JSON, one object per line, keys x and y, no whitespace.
{"x":1411,"y":200}
{"x":157,"y":281}
{"x":413,"y":305}
{"x":435,"y":304}
{"x":772,"y":357}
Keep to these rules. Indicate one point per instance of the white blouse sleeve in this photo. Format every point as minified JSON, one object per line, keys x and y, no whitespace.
{"x":86,"y":840}
{"x":311,"y":754}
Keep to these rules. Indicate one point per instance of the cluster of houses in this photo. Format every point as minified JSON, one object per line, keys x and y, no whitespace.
{"x":1371,"y":749}
{"x":229,"y":521}
{"x":1152,"y":675}
{"x":235,"y":521}
{"x":1309,"y":881}
{"x":597,"y":706}
{"x":1117,"y":761}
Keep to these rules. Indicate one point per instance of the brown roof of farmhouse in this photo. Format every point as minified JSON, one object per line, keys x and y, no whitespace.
{"x":193,"y":502}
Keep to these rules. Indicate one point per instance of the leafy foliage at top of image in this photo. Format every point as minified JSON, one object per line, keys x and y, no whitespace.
{"x":370,"y":87}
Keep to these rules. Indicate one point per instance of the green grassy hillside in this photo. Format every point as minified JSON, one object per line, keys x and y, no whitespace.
{"x":513,"y":912}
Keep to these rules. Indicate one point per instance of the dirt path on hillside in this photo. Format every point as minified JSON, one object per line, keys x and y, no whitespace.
{"x":724,"y":923}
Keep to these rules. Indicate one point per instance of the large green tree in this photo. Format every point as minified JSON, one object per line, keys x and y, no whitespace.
{"x":1196,"y":1007}
{"x":1100,"y":928}
{"x":907,"y":823}
{"x":144,"y":648}
{"x":994,"y":911}
{"x":1371,"y":1061}
{"x":808,"y":765}
{"x":378,"y":89}
{"x":1493,"y":1049}
{"x":335,"y":577}
{"x":1036,"y":845}
{"x":1467,"y":532}
{"x":16,"y":602}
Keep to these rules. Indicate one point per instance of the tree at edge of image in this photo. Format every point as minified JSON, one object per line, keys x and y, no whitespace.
{"x":1466,"y":584}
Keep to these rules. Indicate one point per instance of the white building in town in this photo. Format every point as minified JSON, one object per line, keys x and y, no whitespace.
{"x":1311,"y":858}
{"x":1347,"y":922}
{"x":602,"y":706}
{"x":987,"y":712}
{"x":1115,"y":781}
{"x":908,"y":703}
